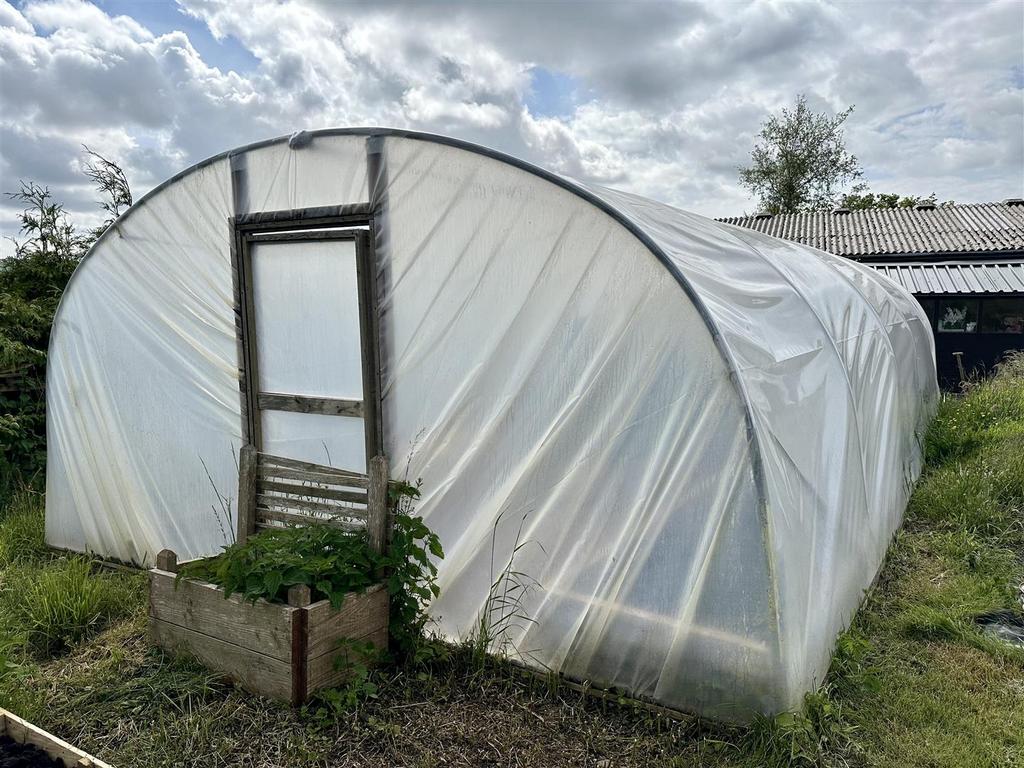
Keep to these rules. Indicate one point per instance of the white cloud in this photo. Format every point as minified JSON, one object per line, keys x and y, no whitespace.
{"x":670,"y":95}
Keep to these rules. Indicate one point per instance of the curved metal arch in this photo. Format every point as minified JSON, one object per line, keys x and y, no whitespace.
{"x":757,"y":462}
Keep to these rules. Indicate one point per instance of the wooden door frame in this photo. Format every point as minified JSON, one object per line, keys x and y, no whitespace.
{"x":290,"y":226}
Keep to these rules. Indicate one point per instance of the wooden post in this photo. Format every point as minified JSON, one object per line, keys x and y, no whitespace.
{"x":246,"y":525}
{"x":299,"y":596}
{"x":960,"y":366}
{"x":167,"y":560}
{"x":377,"y":504}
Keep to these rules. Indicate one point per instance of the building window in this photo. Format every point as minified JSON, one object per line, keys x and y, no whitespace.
{"x":1002,"y":316}
{"x":957,"y":315}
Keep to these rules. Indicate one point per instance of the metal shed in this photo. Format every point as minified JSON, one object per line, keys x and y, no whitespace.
{"x":964,"y":263}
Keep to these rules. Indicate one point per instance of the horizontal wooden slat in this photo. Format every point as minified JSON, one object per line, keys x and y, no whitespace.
{"x":321,"y":478}
{"x":269,"y":460}
{"x":315,"y":491}
{"x":265,"y":515}
{"x":290,"y":502}
{"x":359,"y":614}
{"x":350,"y":214}
{"x":318,"y":235}
{"x":255,"y":671}
{"x":261,"y":626}
{"x":322,"y":672}
{"x":328,"y":406}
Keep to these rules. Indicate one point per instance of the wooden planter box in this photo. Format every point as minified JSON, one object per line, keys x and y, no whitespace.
{"x":281,"y":651}
{"x":24,"y":732}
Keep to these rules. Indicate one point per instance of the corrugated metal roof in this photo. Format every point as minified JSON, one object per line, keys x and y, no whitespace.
{"x":956,"y":277}
{"x":971,"y":228}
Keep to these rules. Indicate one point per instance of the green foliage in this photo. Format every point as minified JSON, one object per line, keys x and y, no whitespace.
{"x":503,"y":609}
{"x":409,"y":565}
{"x":333,"y":563}
{"x":55,"y":607}
{"x":850,"y":669}
{"x":990,"y":411}
{"x":800,"y":161}
{"x":21,"y":529}
{"x":109,"y":179}
{"x":31,"y":284}
{"x":860,"y":199}
{"x":802,"y":738}
{"x":359,"y":660}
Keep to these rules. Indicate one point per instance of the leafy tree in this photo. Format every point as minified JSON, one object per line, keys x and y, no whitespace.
{"x":31,"y":283}
{"x":860,"y":199}
{"x":800,"y":161}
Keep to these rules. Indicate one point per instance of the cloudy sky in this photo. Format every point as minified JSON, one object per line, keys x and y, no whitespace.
{"x":659,"y":98}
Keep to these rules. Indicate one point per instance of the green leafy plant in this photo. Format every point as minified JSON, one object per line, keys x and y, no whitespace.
{"x":333,"y":563}
{"x":802,"y":738}
{"x":358,"y":659}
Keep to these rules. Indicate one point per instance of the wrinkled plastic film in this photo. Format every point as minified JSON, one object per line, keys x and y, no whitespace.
{"x":695,"y":463}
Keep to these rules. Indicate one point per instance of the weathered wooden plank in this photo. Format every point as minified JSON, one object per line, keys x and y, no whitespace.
{"x":261,"y":627}
{"x":358,"y":615}
{"x":267,"y":459}
{"x":321,"y":478}
{"x":300,"y":657}
{"x":290,"y":502}
{"x":319,"y":234}
{"x":322,"y":672}
{"x":349,"y":214}
{"x":366,"y":278}
{"x":328,"y":406}
{"x":254,"y":671}
{"x":251,"y":361}
{"x":299,"y":596}
{"x":315,"y":491}
{"x":23,"y":732}
{"x":245,"y":523}
{"x":264,"y":516}
{"x":167,"y":560}
{"x":377,"y":504}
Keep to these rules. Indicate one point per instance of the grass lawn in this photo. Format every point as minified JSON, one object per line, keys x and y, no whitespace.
{"x":914,"y":682}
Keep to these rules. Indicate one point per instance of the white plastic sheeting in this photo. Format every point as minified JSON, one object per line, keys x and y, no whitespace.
{"x":702,"y":437}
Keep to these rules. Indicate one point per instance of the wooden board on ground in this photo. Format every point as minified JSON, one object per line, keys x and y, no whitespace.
{"x":24,"y":732}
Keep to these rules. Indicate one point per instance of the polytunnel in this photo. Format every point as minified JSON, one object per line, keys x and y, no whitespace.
{"x":694,"y":441}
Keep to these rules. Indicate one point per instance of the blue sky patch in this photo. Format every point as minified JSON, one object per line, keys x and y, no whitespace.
{"x":163,"y":16}
{"x":552,"y":93}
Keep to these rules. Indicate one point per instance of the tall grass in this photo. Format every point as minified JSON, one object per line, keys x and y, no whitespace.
{"x":989,"y":411}
{"x":54,"y":607}
{"x":21,"y":528}
{"x":48,"y":603}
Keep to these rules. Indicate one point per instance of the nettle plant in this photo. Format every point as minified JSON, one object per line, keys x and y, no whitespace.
{"x":334,"y":562}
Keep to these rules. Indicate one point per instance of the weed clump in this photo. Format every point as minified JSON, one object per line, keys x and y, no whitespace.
{"x":53,"y":608}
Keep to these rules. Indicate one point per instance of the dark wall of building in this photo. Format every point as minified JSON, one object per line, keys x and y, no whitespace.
{"x":982,"y":328}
